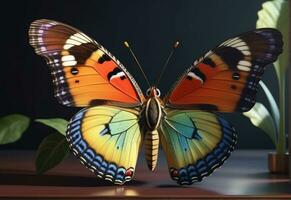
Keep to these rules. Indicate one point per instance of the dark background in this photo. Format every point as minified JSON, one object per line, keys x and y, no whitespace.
{"x":150,"y":26}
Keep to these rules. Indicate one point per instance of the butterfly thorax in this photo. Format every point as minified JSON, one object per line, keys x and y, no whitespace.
{"x":153,"y":109}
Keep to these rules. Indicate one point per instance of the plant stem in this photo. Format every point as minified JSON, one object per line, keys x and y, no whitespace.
{"x":281,"y":146}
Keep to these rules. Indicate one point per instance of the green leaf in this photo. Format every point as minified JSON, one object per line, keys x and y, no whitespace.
{"x":261,"y":118}
{"x":12,"y":127}
{"x":274,"y":107}
{"x":58,"y":124}
{"x":51,"y":151}
{"x":275,"y":14}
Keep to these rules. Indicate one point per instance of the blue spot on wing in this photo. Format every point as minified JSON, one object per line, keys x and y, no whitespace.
{"x":76,"y":123}
{"x":75,"y":128}
{"x":185,"y":126}
{"x":89,"y":155}
{"x":78,"y":116}
{"x":105,"y":130}
{"x":81,"y":146}
{"x":120,"y":174}
{"x":112,"y":167}
{"x":192,"y":171}
{"x":184,"y":144}
{"x":97,"y":161}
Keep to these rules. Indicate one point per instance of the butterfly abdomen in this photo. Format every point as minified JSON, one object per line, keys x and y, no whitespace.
{"x":152,"y":148}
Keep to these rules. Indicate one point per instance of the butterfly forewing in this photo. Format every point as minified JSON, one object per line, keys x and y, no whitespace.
{"x":83,"y":71}
{"x":226,"y":78}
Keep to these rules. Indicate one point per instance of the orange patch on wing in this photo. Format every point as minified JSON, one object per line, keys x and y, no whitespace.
{"x":106,"y":91}
{"x":222,"y":91}
{"x":187,"y":86}
{"x":122,"y":84}
{"x":86,"y":82}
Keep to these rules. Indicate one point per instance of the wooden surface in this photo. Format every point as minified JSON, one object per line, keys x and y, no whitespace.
{"x":244,"y":175}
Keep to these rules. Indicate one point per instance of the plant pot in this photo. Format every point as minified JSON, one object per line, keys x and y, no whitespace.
{"x":278,"y":163}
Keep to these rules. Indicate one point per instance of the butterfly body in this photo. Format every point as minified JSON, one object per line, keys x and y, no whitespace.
{"x":107,"y":135}
{"x":152,"y":113}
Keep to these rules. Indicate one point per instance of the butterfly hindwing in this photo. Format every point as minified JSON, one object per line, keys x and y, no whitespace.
{"x":83,"y":71}
{"x":195,"y":143}
{"x":226,"y":78}
{"x":107,"y":140}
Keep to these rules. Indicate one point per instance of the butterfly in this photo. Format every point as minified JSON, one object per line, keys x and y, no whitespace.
{"x":107,"y":135}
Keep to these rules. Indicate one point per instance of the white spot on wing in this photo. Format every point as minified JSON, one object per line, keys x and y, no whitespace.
{"x":208,"y":54}
{"x":79,"y":38}
{"x":244,"y":65}
{"x":73,"y":42}
{"x":243,"y":68}
{"x":246,"y":53}
{"x":239,"y":44}
{"x":70,"y":63}
{"x":67,"y":46}
{"x":42,"y":48}
{"x":119,"y":74}
{"x":193,"y":75}
{"x":68,"y":58}
{"x":76,"y":40}
{"x":66,"y":102}
{"x":229,"y":41}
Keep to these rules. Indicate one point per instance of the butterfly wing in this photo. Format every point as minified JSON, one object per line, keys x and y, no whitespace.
{"x":226,"y":78}
{"x":83,"y":71}
{"x":195,"y":143}
{"x":107,"y":140}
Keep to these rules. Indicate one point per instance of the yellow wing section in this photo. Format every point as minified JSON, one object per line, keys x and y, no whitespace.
{"x":107,"y":140}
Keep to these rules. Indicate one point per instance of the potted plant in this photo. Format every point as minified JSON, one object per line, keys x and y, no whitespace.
{"x":272,"y":121}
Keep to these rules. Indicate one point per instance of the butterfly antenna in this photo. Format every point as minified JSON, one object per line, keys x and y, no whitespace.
{"x":167,"y":62}
{"x":137,"y":62}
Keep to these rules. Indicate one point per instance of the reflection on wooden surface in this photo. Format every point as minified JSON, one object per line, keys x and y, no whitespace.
{"x":245,"y":173}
